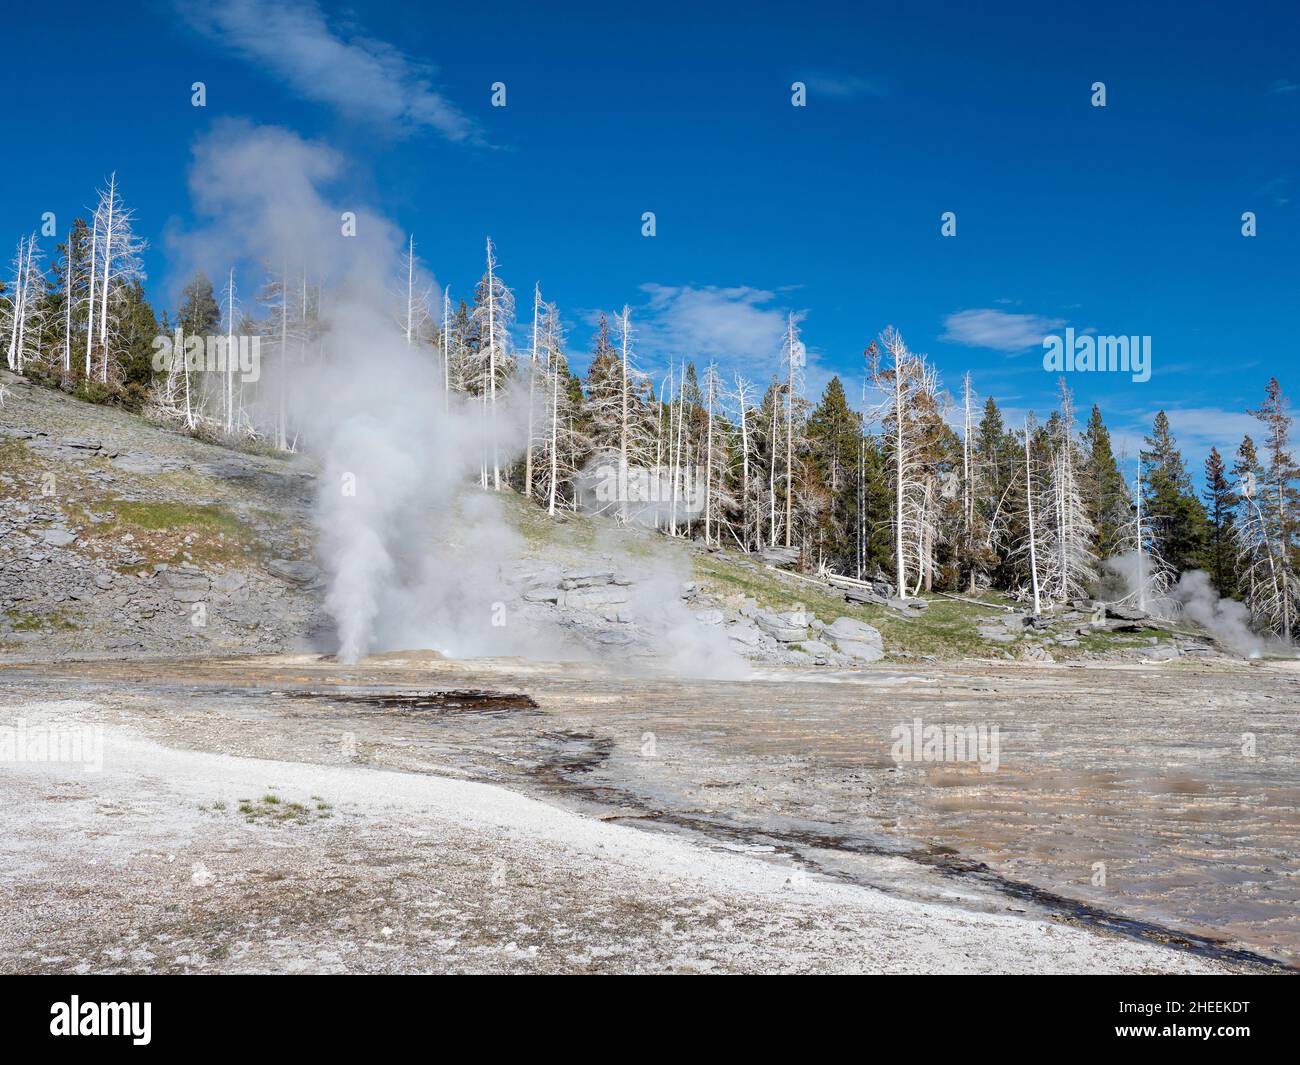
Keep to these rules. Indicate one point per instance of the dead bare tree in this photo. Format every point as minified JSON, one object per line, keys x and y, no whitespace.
{"x":910,"y":410}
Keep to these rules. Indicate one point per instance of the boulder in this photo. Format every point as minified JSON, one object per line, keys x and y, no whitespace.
{"x":293,"y":571}
{"x":1125,"y":613}
{"x":185,"y":579}
{"x":864,"y":595}
{"x":585,"y":579}
{"x":593,"y":597}
{"x":781,"y":628}
{"x":852,"y":629}
{"x":863,"y":652}
{"x":228,"y":582}
{"x":780,"y":556}
{"x":1162,"y":652}
{"x":744,"y":633}
{"x":709,"y":617}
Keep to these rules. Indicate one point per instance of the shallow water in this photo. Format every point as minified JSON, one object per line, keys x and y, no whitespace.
{"x":1141,"y":770}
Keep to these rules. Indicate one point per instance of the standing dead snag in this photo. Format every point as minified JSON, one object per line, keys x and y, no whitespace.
{"x":1030,"y":507}
{"x":792,"y":355}
{"x":1271,"y":524}
{"x":1072,"y":560}
{"x":911,"y":410}
{"x":532,"y":381}
{"x":119,"y":254}
{"x":27,"y":305}
{"x":741,"y":396}
{"x":494,"y":310}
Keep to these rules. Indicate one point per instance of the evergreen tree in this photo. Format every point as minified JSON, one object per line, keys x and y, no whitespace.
{"x":1107,"y":496}
{"x":602,"y":409}
{"x":1171,"y":510}
{"x":999,"y":459}
{"x":137,"y":329}
{"x":199,"y":313}
{"x":834,"y":432}
{"x":1220,"y":505}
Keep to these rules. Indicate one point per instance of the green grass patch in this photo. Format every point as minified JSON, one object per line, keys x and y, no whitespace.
{"x":204,"y":517}
{"x":15,"y":456}
{"x":25,"y":621}
{"x":273,"y":810}
{"x":945,"y":630}
{"x":1101,"y":641}
{"x":541,"y":531}
{"x":160,"y":530}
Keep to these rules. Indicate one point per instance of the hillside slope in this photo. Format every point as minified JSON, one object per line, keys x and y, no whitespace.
{"x":120,"y":537}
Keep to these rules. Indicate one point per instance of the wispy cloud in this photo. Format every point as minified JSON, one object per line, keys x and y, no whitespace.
{"x":1283,"y":85}
{"x":1200,"y":428}
{"x":843,"y":86}
{"x":1196,"y":430}
{"x":363,"y":78}
{"x":737,"y":326}
{"x":1277,"y":189}
{"x":999,"y":330}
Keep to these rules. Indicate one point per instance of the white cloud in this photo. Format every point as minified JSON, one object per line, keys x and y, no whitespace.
{"x":361,"y":77}
{"x":1000,"y":330}
{"x":734,"y":326}
{"x":1195,"y":431}
{"x":1201,"y":428}
{"x":1283,"y":85}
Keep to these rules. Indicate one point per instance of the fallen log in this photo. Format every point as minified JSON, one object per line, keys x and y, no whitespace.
{"x":976,"y":602}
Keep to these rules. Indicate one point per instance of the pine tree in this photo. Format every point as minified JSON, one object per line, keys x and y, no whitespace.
{"x":1220,"y":504}
{"x":1247,"y":474}
{"x":603,"y":406}
{"x":1105,"y":493}
{"x":997,"y":459}
{"x":1174,"y":515}
{"x":136,"y":329}
{"x":834,"y":434}
{"x":199,"y":313}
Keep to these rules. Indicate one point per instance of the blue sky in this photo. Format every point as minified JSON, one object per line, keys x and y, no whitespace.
{"x":1124,"y":219}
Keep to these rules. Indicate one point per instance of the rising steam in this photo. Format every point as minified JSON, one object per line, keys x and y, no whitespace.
{"x":412,"y":558}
